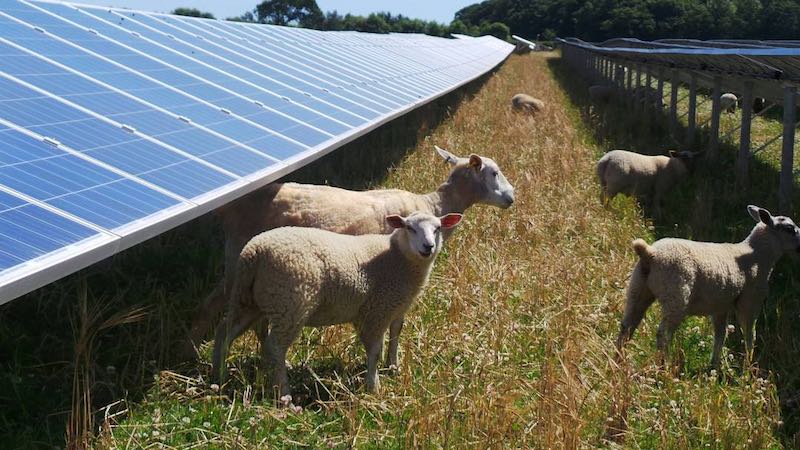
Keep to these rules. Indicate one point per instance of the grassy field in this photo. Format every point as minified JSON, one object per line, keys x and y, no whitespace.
{"x":511,"y":345}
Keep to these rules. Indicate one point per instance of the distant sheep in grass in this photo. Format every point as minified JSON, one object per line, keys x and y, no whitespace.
{"x":473,"y":180}
{"x":601,"y":94}
{"x":707,"y":279}
{"x":296,"y":277}
{"x":526,"y":103}
{"x":727,"y":102}
{"x":630,"y":173}
{"x":649,"y":96}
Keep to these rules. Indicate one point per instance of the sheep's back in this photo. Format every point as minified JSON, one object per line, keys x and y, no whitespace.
{"x":707,"y":272}
{"x":301,"y":270}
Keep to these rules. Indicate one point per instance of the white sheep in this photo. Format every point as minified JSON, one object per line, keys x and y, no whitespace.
{"x":524,"y":102}
{"x":631,"y":173}
{"x":727,"y":102}
{"x":296,"y":277}
{"x":707,"y":279}
{"x":472,"y":180}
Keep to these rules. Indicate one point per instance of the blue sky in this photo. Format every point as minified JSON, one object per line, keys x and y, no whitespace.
{"x":439,"y":10}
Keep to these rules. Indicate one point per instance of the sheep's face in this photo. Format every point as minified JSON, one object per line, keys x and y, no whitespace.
{"x":422,"y":233}
{"x":686,"y":157}
{"x":784,"y":228}
{"x":488,"y":183}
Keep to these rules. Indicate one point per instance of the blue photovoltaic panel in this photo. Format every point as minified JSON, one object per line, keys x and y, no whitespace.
{"x":117,"y":125}
{"x":104,"y":22}
{"x":251,"y":69}
{"x":28,"y":232}
{"x":160,"y":69}
{"x":85,"y":190}
{"x":107,"y":143}
{"x":168,"y":129}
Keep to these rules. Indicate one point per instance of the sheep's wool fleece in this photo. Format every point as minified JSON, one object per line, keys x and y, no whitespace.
{"x":315,"y":277}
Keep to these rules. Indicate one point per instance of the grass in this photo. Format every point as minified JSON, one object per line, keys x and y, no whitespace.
{"x":511,"y":345}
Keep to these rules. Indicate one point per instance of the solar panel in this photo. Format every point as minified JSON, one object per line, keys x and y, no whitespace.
{"x":116,"y":125}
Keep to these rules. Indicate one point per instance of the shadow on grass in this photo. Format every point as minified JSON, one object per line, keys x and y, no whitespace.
{"x":711,"y":206}
{"x":168,"y":276}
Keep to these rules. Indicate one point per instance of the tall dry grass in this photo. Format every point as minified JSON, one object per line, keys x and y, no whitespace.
{"x":511,"y":345}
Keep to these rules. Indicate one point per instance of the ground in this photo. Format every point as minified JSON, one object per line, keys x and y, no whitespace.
{"x":510,"y":346}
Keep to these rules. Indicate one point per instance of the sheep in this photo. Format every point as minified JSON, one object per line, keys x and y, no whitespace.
{"x":700,"y":278}
{"x":649,"y":96}
{"x":526,"y":103}
{"x":620,"y":171}
{"x":727,"y":102}
{"x":472,"y":180}
{"x":601,"y":94}
{"x":295,"y":277}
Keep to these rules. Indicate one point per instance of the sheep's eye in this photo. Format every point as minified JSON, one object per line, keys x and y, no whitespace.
{"x":495,"y":174}
{"x":438,"y":229}
{"x":413,"y":231}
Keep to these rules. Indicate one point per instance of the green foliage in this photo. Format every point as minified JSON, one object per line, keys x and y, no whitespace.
{"x":192,"y":12}
{"x":597,"y":20}
{"x":496,"y":29}
{"x":307,"y":14}
{"x":304,"y":13}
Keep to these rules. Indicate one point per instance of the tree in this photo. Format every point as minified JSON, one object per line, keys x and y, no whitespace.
{"x":192,"y":12}
{"x":496,"y":29}
{"x":289,"y":12}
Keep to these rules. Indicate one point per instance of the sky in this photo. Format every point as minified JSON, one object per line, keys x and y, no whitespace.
{"x":438,"y":10}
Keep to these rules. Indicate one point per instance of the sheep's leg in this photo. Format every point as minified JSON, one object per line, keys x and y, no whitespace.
{"x":212,"y":307}
{"x":237,"y":322}
{"x":746,"y":311}
{"x":720,"y":322}
{"x":639,"y":300}
{"x":665,"y":332}
{"x":372,"y":339}
{"x":275,"y":347}
{"x":394,"y":341}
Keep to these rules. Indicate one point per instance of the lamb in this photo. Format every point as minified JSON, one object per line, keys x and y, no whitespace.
{"x":524,"y":102}
{"x":296,"y":277}
{"x":634,"y":174}
{"x":709,"y":279}
{"x":727,"y":102}
{"x":472,"y":180}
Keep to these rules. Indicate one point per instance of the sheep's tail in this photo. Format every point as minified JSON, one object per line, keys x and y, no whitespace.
{"x":645,"y":253}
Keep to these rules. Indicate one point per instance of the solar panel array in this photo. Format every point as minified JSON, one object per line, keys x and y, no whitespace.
{"x":116,"y":125}
{"x":763,"y":60}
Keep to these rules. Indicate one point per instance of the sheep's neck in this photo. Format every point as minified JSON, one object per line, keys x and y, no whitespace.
{"x":448,"y":199}
{"x":766,"y":252}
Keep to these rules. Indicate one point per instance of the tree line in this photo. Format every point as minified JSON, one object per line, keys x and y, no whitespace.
{"x":593,"y":20}
{"x":307,"y":14}
{"x":597,"y":20}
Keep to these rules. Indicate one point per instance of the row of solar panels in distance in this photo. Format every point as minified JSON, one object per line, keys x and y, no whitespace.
{"x":108,"y":117}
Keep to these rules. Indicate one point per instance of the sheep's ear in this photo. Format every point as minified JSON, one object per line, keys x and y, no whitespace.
{"x":450,"y":220}
{"x":673,"y":154}
{"x":760,"y":215}
{"x":396,"y":221}
{"x":449,"y":157}
{"x":475,"y":161}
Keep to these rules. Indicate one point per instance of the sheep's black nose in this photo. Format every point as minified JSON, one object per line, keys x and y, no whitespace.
{"x":427,"y":247}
